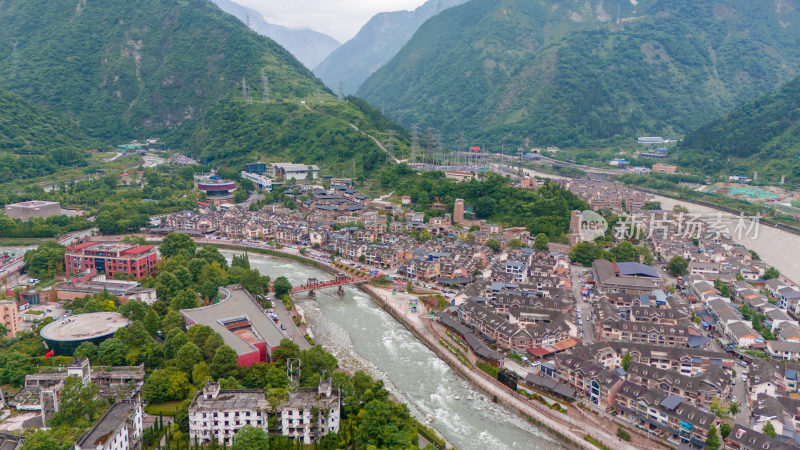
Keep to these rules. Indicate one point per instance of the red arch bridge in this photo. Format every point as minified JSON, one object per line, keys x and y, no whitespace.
{"x":314,"y":284}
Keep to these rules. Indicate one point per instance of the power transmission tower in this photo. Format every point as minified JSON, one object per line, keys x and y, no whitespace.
{"x":247,"y":20}
{"x":265,"y":83}
{"x":341,"y":91}
{"x":293,"y":370}
{"x":390,"y":143}
{"x":14,"y":55}
{"x":246,"y":92}
{"x":414,"y":142}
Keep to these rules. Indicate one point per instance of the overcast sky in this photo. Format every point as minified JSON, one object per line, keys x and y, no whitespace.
{"x":339,"y":18}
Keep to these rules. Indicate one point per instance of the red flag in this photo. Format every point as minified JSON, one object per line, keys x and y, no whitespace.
{"x":49,"y":354}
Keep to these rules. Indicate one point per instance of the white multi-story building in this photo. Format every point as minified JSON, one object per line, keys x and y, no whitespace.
{"x":261,"y":182}
{"x":307,"y":414}
{"x":217,"y":414}
{"x":287,"y":171}
{"x":120,"y":428}
{"x":311,"y":413}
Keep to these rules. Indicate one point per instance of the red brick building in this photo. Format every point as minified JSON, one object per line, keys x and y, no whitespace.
{"x":134,"y":260}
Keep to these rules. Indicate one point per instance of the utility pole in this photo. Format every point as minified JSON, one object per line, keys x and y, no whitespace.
{"x":265,"y":84}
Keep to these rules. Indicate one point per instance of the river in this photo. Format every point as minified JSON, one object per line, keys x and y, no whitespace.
{"x":363,"y":336}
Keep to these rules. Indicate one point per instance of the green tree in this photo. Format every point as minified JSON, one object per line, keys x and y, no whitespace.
{"x":172,"y":320}
{"x":213,"y":342}
{"x":86,"y":350}
{"x":188,"y":356}
{"x":585,"y":253}
{"x":725,"y":429}
{"x":77,"y":402}
{"x":493,"y":245}
{"x":648,"y":206}
{"x":201,"y":374}
{"x":771,"y":273}
{"x":541,"y":241}
{"x":185,"y":299}
{"x":626,"y":361}
{"x":769,"y":430}
{"x":151,"y":322}
{"x":484,"y":207}
{"x":43,"y":440}
{"x":46,"y":261}
{"x":199,"y":334}
{"x":165,"y":385}
{"x":250,"y":438}
{"x":287,"y":349}
{"x":174,"y":341}
{"x":239,"y":195}
{"x":112,"y":352}
{"x":624,"y":251}
{"x":723,"y":288}
{"x":380,"y":427}
{"x":174,"y":243}
{"x":167,"y":286}
{"x":514,"y":243}
{"x":678,"y":266}
{"x":14,"y":365}
{"x":224,"y":363}
{"x":713,"y":441}
{"x":734,"y":408}
{"x":281,"y":286}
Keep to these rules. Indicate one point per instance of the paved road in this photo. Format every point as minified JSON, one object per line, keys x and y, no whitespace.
{"x":292,"y":332}
{"x":585,"y":306}
{"x":740,"y":392}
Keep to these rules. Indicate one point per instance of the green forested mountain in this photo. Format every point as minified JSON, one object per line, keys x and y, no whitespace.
{"x":328,"y":133}
{"x":36,"y":142}
{"x":761,"y":135}
{"x":129,"y":69}
{"x":124,"y":67}
{"x":576,"y":72}
{"x":375,"y":44}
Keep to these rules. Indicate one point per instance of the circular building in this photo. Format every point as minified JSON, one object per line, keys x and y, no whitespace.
{"x":216,"y":187}
{"x":65,"y":335}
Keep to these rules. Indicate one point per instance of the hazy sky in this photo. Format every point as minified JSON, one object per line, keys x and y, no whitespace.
{"x":339,"y":18}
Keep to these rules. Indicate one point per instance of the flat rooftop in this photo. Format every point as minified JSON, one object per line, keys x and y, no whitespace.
{"x":231,"y":400}
{"x":107,"y":426}
{"x":237,"y":309}
{"x":84,"y":326}
{"x":33,"y":204}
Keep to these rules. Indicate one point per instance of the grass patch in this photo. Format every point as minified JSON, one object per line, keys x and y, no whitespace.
{"x":595,"y":442}
{"x":164,"y":409}
{"x":623,"y":434}
{"x":488,"y":368}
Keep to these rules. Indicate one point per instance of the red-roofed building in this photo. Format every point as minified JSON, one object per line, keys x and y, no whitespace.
{"x":133,"y":260}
